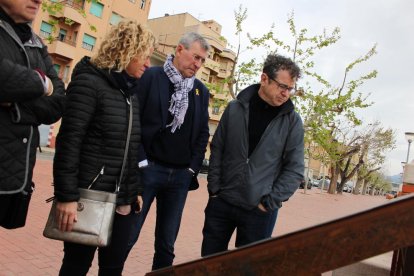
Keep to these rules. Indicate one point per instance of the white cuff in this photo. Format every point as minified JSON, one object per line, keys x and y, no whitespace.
{"x":143,"y":163}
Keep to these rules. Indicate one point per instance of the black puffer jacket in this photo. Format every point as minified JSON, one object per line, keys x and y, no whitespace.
{"x":23,"y":106}
{"x":92,"y":137}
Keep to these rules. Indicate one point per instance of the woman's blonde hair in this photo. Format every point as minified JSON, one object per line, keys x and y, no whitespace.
{"x":124,"y":41}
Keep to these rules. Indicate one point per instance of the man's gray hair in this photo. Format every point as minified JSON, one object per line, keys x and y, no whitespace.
{"x":189,"y":38}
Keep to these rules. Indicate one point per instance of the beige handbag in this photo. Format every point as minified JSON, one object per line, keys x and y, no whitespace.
{"x":96,"y":211}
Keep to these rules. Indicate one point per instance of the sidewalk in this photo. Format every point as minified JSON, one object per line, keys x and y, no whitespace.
{"x":25,"y":252}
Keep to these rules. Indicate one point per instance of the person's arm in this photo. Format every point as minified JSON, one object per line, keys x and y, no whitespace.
{"x":292,"y":170}
{"x":47,"y":109}
{"x":19,"y":83}
{"x":216,"y":154}
{"x":200,"y":147}
{"x":80,"y":110}
{"x":81,"y":106}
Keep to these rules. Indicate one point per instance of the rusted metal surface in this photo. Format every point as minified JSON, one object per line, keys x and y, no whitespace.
{"x":317,"y":249}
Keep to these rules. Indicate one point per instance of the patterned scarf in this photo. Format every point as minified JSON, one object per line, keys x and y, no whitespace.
{"x":179,"y":100}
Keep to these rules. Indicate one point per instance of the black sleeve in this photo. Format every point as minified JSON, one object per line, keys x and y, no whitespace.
{"x":18,"y":83}
{"x":46,"y":109}
{"x":80,"y":109}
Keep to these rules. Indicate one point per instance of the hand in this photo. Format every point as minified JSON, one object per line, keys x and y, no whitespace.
{"x":261,"y":207}
{"x":47,"y":83}
{"x":66,"y":215}
{"x":138,"y":208}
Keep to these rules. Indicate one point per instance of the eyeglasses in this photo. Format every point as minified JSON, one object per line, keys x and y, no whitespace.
{"x":291,"y":90}
{"x":197,"y":58}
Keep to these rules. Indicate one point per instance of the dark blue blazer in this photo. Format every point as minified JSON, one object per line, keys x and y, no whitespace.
{"x":154,"y":98}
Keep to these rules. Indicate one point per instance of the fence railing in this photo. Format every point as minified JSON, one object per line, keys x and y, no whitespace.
{"x":315,"y":250}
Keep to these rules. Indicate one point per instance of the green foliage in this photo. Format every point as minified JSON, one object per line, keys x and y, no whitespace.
{"x":55,"y":9}
{"x":378,"y":182}
{"x":328,"y":109}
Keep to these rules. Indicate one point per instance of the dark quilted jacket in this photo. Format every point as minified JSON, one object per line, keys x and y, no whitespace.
{"x":91,"y":141}
{"x":21,"y":86}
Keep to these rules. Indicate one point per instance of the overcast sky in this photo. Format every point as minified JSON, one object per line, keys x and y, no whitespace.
{"x":390,"y":24}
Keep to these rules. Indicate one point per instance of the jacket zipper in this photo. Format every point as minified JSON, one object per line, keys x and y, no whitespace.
{"x":101,"y":172}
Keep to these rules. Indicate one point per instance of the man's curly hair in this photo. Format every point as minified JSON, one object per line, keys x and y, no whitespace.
{"x":124,"y":41}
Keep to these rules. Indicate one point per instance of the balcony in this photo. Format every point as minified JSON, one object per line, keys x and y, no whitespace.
{"x":223,"y":73}
{"x":221,"y":96}
{"x":228,"y":54}
{"x":70,"y":10}
{"x":212,"y":65}
{"x":215,"y":42}
{"x":214,"y":117}
{"x":63,"y":47}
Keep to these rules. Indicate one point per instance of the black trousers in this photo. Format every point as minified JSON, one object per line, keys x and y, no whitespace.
{"x":5,"y":201}
{"x":78,"y":258}
{"x":223,"y":218}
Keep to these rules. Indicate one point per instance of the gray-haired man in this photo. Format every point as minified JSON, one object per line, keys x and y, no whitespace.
{"x":174,"y":121}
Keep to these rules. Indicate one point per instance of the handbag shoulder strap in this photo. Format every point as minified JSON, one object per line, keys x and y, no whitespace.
{"x":118,"y":183}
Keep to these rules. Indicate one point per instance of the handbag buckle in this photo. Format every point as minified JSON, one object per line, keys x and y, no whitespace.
{"x":80,"y":206}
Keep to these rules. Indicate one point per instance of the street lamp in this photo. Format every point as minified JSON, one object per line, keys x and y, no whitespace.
{"x":410,"y":137}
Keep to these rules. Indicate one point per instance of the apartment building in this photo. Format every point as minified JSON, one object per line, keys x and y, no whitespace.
{"x":79,"y":27}
{"x":74,"y":35}
{"x":219,"y":63}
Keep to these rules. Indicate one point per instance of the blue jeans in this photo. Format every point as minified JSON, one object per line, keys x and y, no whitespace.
{"x":272,"y":223}
{"x":170,"y":187}
{"x":222,"y":218}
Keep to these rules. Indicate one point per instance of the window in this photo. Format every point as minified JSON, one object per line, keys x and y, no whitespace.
{"x":45,"y":29}
{"x":57,"y":68}
{"x":216,"y":110}
{"x":88,"y":42}
{"x":204,"y":76}
{"x":142,"y":4}
{"x":96,"y":9}
{"x":66,"y":73}
{"x":74,"y":36}
{"x":115,"y":18}
{"x":62,"y":35}
{"x":77,"y":4}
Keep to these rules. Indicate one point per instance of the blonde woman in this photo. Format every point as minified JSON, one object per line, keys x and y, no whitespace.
{"x":91,"y":142}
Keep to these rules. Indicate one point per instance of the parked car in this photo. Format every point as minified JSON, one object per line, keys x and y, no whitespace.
{"x":302,"y":184}
{"x":204,"y":166}
{"x":315,"y":182}
{"x":347,"y":188}
{"x":324,"y":183}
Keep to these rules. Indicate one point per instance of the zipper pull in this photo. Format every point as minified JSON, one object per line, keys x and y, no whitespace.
{"x":97,"y":176}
